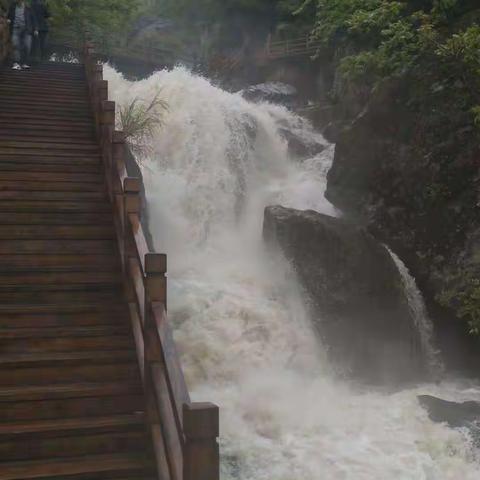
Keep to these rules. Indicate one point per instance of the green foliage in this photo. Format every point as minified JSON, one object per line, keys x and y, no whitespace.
{"x":465,"y":298}
{"x":140,"y":120}
{"x":100,"y":17}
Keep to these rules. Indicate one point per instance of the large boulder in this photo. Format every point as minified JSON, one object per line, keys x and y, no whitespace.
{"x":456,"y":415}
{"x":355,"y":292}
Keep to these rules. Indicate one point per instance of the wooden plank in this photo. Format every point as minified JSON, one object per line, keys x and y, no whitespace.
{"x":25,"y":144}
{"x":71,"y":407}
{"x":93,"y":357}
{"x":174,"y":375}
{"x":67,"y":232}
{"x":53,"y":196}
{"x":42,"y":167}
{"x":65,"y":331}
{"x":40,"y":151}
{"x":52,"y":177}
{"x":49,"y":186}
{"x":87,"y":443}
{"x":58,"y":247}
{"x":171,"y":436}
{"x":47,"y":297}
{"x":59,"y":263}
{"x":72,"y":390}
{"x":56,"y":374}
{"x":74,"y":466}
{"x":73,"y":424}
{"x":54,"y":206}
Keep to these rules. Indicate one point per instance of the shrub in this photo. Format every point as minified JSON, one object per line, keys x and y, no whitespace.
{"x":140,"y":120}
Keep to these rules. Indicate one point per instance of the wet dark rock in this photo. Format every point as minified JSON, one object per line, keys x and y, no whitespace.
{"x":299,"y":147}
{"x":456,"y":415}
{"x":410,"y":174}
{"x":355,"y":293}
{"x":274,"y":92}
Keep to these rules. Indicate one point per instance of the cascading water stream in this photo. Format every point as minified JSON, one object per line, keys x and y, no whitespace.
{"x":420,"y":316}
{"x":240,"y":323}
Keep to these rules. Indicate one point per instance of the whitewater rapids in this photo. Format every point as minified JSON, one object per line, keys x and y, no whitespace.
{"x":245,"y":338}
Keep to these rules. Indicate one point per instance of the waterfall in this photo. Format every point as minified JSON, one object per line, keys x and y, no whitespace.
{"x":422,"y":320}
{"x":243,"y":332}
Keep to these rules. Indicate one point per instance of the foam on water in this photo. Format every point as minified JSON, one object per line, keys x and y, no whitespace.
{"x":244,"y":335}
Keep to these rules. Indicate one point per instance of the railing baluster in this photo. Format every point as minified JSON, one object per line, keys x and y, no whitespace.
{"x":201,"y":453}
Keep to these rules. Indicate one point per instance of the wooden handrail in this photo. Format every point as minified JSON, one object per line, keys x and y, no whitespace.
{"x":184,"y":434}
{"x":291,"y":47}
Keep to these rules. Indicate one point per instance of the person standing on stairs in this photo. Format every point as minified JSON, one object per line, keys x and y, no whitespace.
{"x":23,"y":25}
{"x":42,"y":14}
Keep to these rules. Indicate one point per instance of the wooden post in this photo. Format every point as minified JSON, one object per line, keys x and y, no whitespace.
{"x":117,"y":171}
{"x":131,"y":205}
{"x":201,"y":458}
{"x":155,"y":280}
{"x":155,"y":291}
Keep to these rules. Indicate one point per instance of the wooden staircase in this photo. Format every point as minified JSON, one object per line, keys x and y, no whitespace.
{"x":75,"y":401}
{"x":71,"y":400}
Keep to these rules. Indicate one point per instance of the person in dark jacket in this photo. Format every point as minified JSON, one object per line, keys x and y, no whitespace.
{"x":42,"y":14}
{"x":23,"y":25}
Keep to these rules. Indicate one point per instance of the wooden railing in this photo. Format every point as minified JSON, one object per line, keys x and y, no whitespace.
{"x":184,"y":433}
{"x":291,"y":47}
{"x":149,"y":53}
{"x":4,"y":39}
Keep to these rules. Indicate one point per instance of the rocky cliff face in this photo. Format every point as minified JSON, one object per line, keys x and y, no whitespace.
{"x":355,"y":292}
{"x":410,"y":173}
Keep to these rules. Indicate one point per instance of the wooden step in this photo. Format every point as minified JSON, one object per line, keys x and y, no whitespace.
{"x":32,"y":137}
{"x":45,"y":296}
{"x":19,"y":206}
{"x":72,"y":308}
{"x":50,"y":186}
{"x":56,"y":247}
{"x":53,"y":468}
{"x":87,"y":443}
{"x":26,"y":280}
{"x":71,"y":407}
{"x":117,"y":316}
{"x":64,"y":344}
{"x":55,"y":168}
{"x":53,"y":196}
{"x":52,"y":359}
{"x":65,"y":331}
{"x":59,"y":263}
{"x":71,"y":391}
{"x":53,"y":232}
{"x":52,"y":177}
{"x":51,"y":153}
{"x":73,"y":437}
{"x":38,"y":375}
{"x":47,"y":119}
{"x":23,"y":103}
{"x":46,"y":125}
{"x":12,"y":130}
{"x":74,"y":425}
{"x":90,"y":160}
{"x":25,"y":144}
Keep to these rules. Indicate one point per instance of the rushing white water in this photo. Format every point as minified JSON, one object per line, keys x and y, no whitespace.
{"x":245,"y":338}
{"x":420,"y":317}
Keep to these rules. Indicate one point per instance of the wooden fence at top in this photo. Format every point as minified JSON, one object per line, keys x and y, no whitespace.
{"x":148,"y":53}
{"x":295,"y":47}
{"x":184,"y":433}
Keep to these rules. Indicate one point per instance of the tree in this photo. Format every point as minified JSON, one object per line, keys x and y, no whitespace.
{"x":98,"y":16}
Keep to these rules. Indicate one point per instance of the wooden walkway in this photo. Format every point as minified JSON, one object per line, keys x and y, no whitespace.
{"x":82,"y":396}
